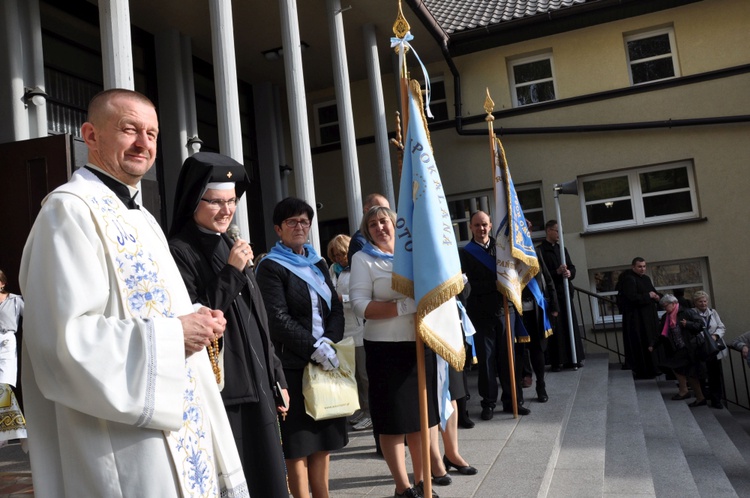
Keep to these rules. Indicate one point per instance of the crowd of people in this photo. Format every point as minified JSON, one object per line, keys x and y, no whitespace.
{"x":176,"y":365}
{"x":673,"y":344}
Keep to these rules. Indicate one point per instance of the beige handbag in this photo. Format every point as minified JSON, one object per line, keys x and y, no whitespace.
{"x":333,"y":393}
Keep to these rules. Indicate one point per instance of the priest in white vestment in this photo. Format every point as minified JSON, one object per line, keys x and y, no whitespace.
{"x":120,"y":396}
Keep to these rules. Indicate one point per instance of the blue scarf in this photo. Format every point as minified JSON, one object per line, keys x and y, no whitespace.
{"x":375,"y":252}
{"x":296,"y":262}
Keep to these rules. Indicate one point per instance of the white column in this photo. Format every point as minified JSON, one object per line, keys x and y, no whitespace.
{"x":300,"y":133}
{"x":227,"y":95}
{"x":15,"y":121}
{"x":34,"y":61}
{"x":172,"y":116}
{"x":378,"y":112}
{"x":117,"y":50}
{"x":352,"y":185}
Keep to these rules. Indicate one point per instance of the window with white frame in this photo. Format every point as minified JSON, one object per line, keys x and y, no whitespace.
{"x":438,"y":100}
{"x":641,"y":196}
{"x":531,"y":198}
{"x":668,"y":277}
{"x":532,"y":79}
{"x":327,"y":123}
{"x":651,"y":56}
{"x":461,"y":207}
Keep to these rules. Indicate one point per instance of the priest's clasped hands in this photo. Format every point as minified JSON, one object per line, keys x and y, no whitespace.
{"x":202,"y":327}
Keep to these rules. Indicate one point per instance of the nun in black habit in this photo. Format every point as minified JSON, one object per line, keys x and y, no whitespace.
{"x":215,"y":271}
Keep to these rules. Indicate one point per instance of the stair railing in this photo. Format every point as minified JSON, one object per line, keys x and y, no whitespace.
{"x":599,"y":322}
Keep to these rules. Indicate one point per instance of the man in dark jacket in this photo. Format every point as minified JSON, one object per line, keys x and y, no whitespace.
{"x":215,"y":271}
{"x":638,"y":300}
{"x":484,"y":306}
{"x":559,"y":347}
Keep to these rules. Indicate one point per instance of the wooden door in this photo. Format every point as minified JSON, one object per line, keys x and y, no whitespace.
{"x":29,"y":170}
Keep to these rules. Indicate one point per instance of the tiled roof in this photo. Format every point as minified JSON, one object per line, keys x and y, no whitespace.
{"x":461,"y":15}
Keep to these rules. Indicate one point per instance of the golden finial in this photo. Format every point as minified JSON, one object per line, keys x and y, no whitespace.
{"x":489,"y":106}
{"x":401,"y":25}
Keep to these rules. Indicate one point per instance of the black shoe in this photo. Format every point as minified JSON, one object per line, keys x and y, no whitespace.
{"x":420,"y":489}
{"x":541,"y":395}
{"x":680,"y":397}
{"x":521,"y":410}
{"x":487,"y":412}
{"x":717,"y":405}
{"x":442,"y":480}
{"x":556,"y":368}
{"x":702,"y":402}
{"x":464,"y":421}
{"x":408,"y":493}
{"x":466,"y":470}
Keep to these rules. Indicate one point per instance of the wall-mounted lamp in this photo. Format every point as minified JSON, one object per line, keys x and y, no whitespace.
{"x":195,"y":144}
{"x":35,"y":95}
{"x":285,"y":170}
{"x":277,"y":53}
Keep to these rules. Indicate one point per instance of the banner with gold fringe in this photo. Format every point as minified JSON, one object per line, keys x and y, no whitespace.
{"x":515,"y":257}
{"x":426,"y":264}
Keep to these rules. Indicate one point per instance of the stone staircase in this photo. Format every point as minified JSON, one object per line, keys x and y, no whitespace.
{"x":622,"y":437}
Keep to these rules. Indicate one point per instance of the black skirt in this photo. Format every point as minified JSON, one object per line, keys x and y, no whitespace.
{"x":302,"y":436}
{"x":394,"y":392}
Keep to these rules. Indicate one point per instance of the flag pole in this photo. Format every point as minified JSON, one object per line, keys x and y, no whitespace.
{"x":489,"y":106}
{"x":400,"y":29}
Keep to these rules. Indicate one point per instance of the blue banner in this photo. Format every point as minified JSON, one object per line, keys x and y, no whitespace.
{"x":426,"y":264}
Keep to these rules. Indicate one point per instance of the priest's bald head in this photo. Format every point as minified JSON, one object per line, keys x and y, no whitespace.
{"x":121,"y":133}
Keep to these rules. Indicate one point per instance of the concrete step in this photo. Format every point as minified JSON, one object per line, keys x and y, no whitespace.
{"x":724,"y":449}
{"x":730,"y":419}
{"x":627,"y":470}
{"x":705,"y":467}
{"x":579,"y":468}
{"x":670,"y":472}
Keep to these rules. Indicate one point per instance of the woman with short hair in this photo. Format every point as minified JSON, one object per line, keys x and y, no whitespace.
{"x":306,"y":318}
{"x":715,"y":327}
{"x":678,"y":330}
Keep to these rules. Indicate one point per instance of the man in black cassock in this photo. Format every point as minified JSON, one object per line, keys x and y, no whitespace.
{"x":559,"y":348}
{"x":638,"y":301}
{"x":215,"y":270}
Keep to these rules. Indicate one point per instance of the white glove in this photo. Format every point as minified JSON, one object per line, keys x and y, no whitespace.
{"x":325,"y":356}
{"x":406,"y":306}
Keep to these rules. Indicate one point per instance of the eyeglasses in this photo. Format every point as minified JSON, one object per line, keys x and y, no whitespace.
{"x":292,"y":223}
{"x":220,"y":203}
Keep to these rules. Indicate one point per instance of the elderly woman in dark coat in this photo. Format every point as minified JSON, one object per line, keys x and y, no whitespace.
{"x":214,"y":268}
{"x":306,"y":317}
{"x":678,"y":330}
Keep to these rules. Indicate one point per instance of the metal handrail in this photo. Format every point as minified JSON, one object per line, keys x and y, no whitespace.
{"x":605,"y":331}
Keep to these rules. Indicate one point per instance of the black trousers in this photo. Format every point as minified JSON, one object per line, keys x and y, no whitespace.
{"x":492,"y":358}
